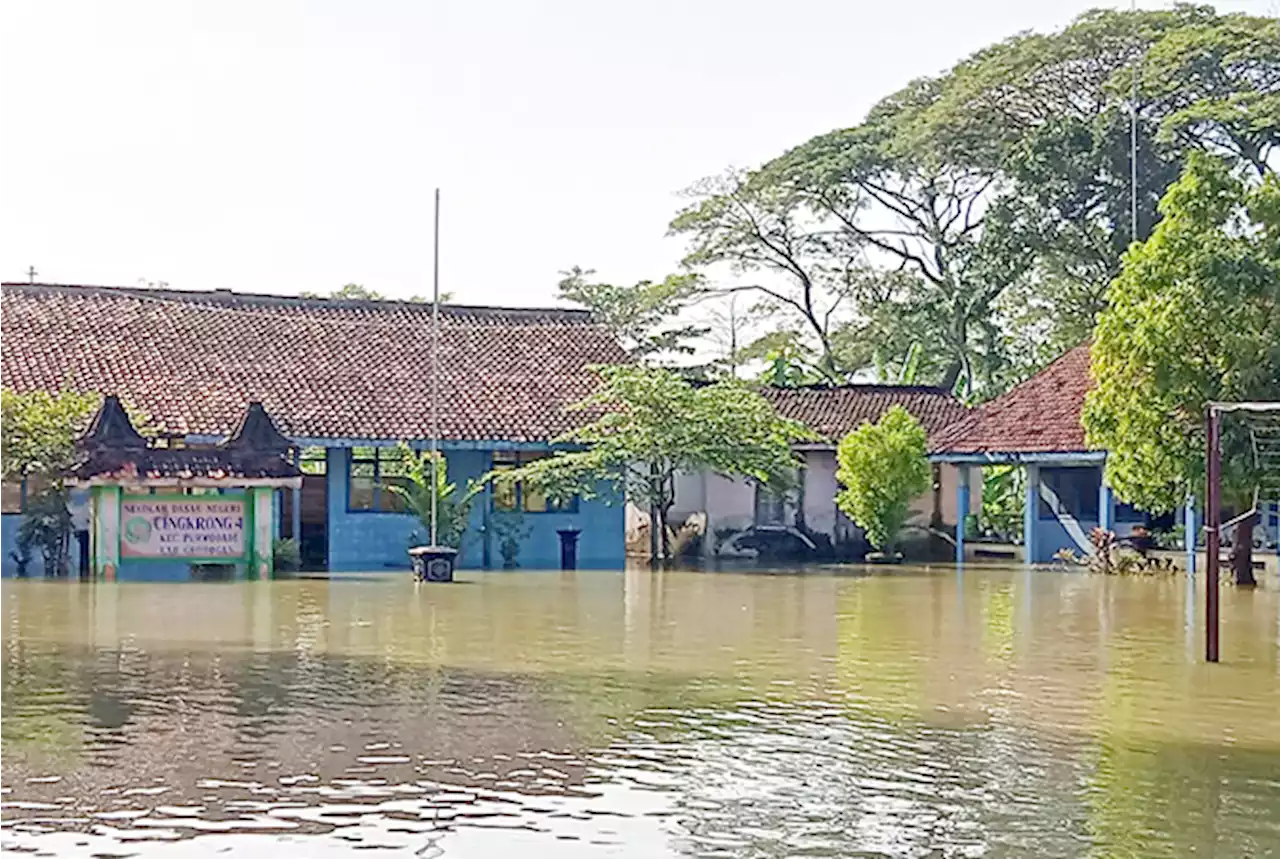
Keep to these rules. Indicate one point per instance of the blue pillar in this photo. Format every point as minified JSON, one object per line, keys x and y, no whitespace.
{"x":295,"y":515}
{"x":1190,"y":530}
{"x":1272,"y":530}
{"x":1030,"y":513}
{"x":1106,"y":506}
{"x":962,"y":509}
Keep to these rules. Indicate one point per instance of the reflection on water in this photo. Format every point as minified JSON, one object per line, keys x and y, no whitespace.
{"x":914,"y":713}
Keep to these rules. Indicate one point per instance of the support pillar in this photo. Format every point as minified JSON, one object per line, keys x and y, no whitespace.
{"x":295,"y":517}
{"x":1190,"y":529}
{"x":261,"y":562}
{"x":1106,"y":506}
{"x":962,"y":509}
{"x":1030,"y":515}
{"x":104,"y":512}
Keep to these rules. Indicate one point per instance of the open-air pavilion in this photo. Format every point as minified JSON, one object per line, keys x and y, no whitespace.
{"x":1036,"y":425}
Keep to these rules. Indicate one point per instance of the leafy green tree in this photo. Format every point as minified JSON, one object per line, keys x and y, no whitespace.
{"x":650,"y":424}
{"x":39,"y":430}
{"x":1194,"y":317}
{"x":1003,"y":497}
{"x":642,"y":316}
{"x":881,"y":467}
{"x":427,"y":477}
{"x":984,"y":212}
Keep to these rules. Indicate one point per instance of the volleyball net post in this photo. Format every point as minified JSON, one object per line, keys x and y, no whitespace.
{"x":1262,"y":420}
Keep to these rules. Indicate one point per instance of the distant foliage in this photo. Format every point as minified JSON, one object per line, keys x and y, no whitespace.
{"x":358,"y":292}
{"x":881,"y":468}
{"x":641,"y":316}
{"x":983,"y":212}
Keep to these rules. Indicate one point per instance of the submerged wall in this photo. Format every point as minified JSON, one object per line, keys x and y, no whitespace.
{"x":362,"y":540}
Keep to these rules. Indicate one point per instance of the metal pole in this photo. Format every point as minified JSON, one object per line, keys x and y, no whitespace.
{"x":1212,"y":518}
{"x":435,"y":376}
{"x":1133,"y":137}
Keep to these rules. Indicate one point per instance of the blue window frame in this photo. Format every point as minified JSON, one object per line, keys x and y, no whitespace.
{"x":370,"y":471}
{"x":1077,"y":491}
{"x":512,"y":497}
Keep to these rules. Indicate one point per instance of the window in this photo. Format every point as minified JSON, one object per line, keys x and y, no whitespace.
{"x":1077,"y":492}
{"x":371,"y":471}
{"x":771,"y":507}
{"x":313,"y":460}
{"x":508,"y":497}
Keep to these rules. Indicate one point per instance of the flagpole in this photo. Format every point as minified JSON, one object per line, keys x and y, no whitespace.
{"x":1133,"y":131}
{"x":435,"y":378}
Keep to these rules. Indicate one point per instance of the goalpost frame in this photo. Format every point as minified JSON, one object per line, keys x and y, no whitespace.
{"x":1213,"y":511}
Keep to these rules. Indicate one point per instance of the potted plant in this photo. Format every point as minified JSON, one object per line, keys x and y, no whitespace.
{"x":510,"y":531}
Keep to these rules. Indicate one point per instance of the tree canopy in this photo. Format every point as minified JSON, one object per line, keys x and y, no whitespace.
{"x":982,"y":213}
{"x":39,"y":430}
{"x":1194,"y":317}
{"x":359,"y":292}
{"x":641,"y":316}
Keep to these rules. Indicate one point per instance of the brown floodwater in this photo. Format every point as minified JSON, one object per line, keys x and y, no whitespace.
{"x":914,"y":713}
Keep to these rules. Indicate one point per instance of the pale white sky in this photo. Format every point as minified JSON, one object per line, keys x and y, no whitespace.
{"x":280,"y":146}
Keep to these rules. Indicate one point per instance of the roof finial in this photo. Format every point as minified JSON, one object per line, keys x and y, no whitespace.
{"x":31,"y":274}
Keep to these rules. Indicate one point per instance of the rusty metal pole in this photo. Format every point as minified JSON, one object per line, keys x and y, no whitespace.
{"x":1212,"y":520}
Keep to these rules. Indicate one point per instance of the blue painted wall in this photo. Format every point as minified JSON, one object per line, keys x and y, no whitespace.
{"x":1079,"y":508}
{"x":9,"y":523}
{"x":371,"y":541}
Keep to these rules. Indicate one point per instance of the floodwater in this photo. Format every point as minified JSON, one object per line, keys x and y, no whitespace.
{"x":915,"y":713}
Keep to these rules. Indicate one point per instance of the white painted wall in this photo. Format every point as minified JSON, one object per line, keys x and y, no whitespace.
{"x":729,"y":503}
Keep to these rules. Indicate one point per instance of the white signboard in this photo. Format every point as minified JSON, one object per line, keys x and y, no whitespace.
{"x":182,"y":527}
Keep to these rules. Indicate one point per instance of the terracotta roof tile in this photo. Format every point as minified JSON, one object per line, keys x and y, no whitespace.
{"x":322,"y":368}
{"x":1041,"y":415}
{"x":832,"y":411}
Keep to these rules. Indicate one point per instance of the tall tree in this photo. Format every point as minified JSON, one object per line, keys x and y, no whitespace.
{"x":984,"y":212}
{"x":1194,"y":317}
{"x":653,"y":424}
{"x":643,"y":316}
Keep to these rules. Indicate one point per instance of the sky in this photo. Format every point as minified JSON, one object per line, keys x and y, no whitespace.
{"x":281,"y":146}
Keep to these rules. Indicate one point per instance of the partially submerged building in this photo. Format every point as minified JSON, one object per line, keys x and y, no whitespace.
{"x":346,"y":382}
{"x":1037,"y":426}
{"x":723,"y":508}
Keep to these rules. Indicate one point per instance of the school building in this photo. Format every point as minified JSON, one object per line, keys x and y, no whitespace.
{"x":346,"y":382}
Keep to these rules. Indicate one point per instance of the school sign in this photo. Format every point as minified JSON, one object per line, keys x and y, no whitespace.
{"x":187,"y":527}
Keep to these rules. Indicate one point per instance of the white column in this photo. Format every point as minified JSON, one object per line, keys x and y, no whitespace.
{"x":260,"y":558}
{"x":104,"y":526}
{"x":1031,"y":514}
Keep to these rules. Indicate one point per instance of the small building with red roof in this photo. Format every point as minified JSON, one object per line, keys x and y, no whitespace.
{"x":1037,"y":425}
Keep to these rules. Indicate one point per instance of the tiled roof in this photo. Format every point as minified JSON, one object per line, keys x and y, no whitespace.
{"x":323,"y":368}
{"x":832,"y":411}
{"x":1041,"y":415}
